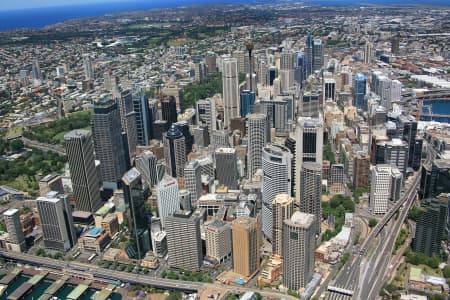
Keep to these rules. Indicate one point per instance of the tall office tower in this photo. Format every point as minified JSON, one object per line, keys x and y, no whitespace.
{"x":36,"y":70}
{"x":361,"y":170}
{"x":201,"y":136}
{"x":193,"y":179}
{"x":124,"y":102}
{"x":359,"y":91}
{"x":221,"y":138}
{"x":309,"y":145}
{"x":169,"y":109}
{"x":336,"y":179}
{"x":273,"y":74}
{"x":395,"y":44}
{"x":168,"y":198}
{"x":144,"y":119}
{"x":368,"y":52}
{"x":211,"y":64}
{"x":409,"y":135}
{"x":276,"y":165}
{"x":396,"y":184}
{"x":174,"y":152}
{"x":309,"y":104}
{"x":14,"y":229}
{"x":309,"y":57}
{"x":206,"y":113}
{"x":435,"y":179}
{"x":83,"y":173}
{"x":146,"y":165}
{"x":431,"y":225}
{"x":230,"y":81}
{"x":183,"y":126}
{"x":300,"y":68}
{"x":287,"y":59}
{"x":241,"y":60}
{"x":49,"y":183}
{"x":380,"y":188}
{"x":246,"y":245}
{"x":329,"y":87}
{"x":394,"y":152}
{"x":298,"y":250}
{"x":226,"y":167}
{"x":55,"y":215}
{"x":282,"y":209}
{"x":108,"y":143}
{"x":263,"y":73}
{"x":247,"y":102}
{"x":218,"y":240}
{"x":135,"y":198}
{"x":184,"y":240}
{"x":249,"y":46}
{"x":417,"y":154}
{"x":317,"y":55}
{"x":88,"y":67}
{"x":311,"y":191}
{"x":257,"y":138}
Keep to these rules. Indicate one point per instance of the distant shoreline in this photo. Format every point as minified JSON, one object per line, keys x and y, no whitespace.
{"x":37,"y":18}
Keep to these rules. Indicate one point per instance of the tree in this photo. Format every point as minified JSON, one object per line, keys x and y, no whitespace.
{"x":372,"y":223}
{"x":16,"y":145}
{"x":446,"y":272}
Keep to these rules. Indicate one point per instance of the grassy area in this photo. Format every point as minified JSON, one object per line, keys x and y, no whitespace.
{"x":14,"y":131}
{"x":328,"y":153}
{"x":211,"y":85}
{"x":53,"y":132}
{"x":179,"y":42}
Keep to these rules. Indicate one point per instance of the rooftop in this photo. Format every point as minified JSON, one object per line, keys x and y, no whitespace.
{"x":302,"y":219}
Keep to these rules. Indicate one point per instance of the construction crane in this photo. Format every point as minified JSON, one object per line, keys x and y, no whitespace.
{"x":429,"y":107}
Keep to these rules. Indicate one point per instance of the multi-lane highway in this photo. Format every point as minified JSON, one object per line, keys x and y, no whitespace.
{"x":162,"y":283}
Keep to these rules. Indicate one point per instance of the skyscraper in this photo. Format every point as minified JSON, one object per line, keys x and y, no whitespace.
{"x":108,"y":143}
{"x":88,"y":67}
{"x":435,"y":179}
{"x":168,"y":199}
{"x":309,"y":145}
{"x":311,"y":192}
{"x":230,"y":81}
{"x":174,"y":152}
{"x":135,"y":198}
{"x":380,"y":188}
{"x":247,"y":102}
{"x":169,"y":109}
{"x":309,"y":57}
{"x":14,"y":229}
{"x":193,"y":179}
{"x":206,"y":113}
{"x":257,"y":138}
{"x":146,"y":165}
{"x":83,"y":173}
{"x":246,"y":244}
{"x":276,"y":165}
{"x":184,"y":241}
{"x":359,"y":91}
{"x":361,"y":170}
{"x":430,"y":226}
{"x":226,"y":167}
{"x":218,"y":240}
{"x":329,"y":88}
{"x":144,"y":119}
{"x":55,"y":215}
{"x":298,"y":250}
{"x":317,"y":55}
{"x":282,"y":209}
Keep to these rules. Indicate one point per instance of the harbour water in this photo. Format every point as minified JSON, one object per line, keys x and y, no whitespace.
{"x":438,"y":107}
{"x":44,"y":284}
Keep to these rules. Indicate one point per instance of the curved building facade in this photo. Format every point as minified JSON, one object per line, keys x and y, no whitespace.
{"x":276,"y":165}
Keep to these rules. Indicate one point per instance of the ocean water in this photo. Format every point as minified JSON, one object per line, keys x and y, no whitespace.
{"x":41,"y":17}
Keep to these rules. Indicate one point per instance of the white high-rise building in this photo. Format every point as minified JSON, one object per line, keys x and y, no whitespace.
{"x":218,"y":240}
{"x":14,"y":228}
{"x":206,"y":113}
{"x":298,"y":250}
{"x":193,"y":180}
{"x":230,"y":81}
{"x":168,"y":198}
{"x":55,"y":214}
{"x":309,"y":145}
{"x":276,"y":165}
{"x":88,"y":67}
{"x":282,"y":209}
{"x":380,"y":188}
{"x":257,"y":138}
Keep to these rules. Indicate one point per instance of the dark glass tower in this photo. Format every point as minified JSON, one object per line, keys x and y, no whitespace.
{"x":174,"y":152}
{"x":169,"y":109}
{"x":247,"y":102}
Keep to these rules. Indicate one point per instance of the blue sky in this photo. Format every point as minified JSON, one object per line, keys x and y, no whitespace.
{"x":17,"y":4}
